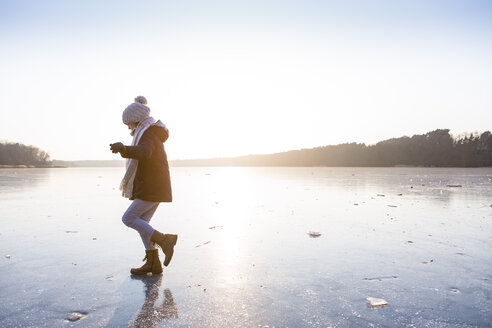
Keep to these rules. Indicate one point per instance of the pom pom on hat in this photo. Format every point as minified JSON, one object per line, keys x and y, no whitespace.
{"x":141,"y":99}
{"x":136,"y":111}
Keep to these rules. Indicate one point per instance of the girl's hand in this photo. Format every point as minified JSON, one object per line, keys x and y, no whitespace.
{"x":117,"y":147}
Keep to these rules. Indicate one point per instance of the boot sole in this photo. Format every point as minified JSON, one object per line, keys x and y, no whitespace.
{"x":144,"y":273}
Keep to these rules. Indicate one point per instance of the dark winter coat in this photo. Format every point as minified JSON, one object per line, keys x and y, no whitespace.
{"x":152,"y":180}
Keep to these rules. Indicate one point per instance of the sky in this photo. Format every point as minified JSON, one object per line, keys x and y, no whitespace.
{"x":233,"y":78}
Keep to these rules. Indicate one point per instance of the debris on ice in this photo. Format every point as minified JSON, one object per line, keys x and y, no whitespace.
{"x":205,"y":243}
{"x":314,"y":234}
{"x":382,"y":278}
{"x":76,"y":316}
{"x":376,"y":303}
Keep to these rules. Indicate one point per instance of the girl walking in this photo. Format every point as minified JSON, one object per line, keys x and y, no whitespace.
{"x":147,"y":182}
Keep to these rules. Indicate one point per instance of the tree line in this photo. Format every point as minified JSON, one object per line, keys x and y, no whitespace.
{"x":19,"y":154}
{"x":435,"y":148}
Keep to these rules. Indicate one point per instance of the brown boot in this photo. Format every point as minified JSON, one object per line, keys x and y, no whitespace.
{"x":166,"y":242}
{"x":152,"y":264}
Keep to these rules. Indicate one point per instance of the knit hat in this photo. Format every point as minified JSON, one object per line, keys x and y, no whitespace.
{"x":137,"y":111}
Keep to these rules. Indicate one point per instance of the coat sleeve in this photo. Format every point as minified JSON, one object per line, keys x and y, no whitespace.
{"x":141,"y":151}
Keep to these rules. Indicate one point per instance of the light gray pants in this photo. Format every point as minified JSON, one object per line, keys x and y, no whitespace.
{"x":138,"y":216}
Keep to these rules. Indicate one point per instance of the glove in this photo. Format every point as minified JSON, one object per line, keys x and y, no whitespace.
{"x":117,"y":147}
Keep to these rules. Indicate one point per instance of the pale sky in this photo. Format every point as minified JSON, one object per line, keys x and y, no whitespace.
{"x":242,"y":77}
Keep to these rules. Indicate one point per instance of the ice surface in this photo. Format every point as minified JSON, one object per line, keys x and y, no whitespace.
{"x":429,"y":257}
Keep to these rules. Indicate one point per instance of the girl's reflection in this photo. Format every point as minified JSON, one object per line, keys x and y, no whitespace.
{"x":150,"y":314}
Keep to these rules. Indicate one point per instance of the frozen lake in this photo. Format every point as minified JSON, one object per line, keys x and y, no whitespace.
{"x":244,"y":258}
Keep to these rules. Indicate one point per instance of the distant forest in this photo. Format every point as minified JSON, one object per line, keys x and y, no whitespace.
{"x":436,"y":148}
{"x":19,"y":154}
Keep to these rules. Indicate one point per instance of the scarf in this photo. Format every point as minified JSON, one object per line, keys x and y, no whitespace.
{"x":126,"y":185}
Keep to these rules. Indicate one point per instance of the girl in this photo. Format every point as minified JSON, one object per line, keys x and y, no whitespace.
{"x":146,"y":182}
